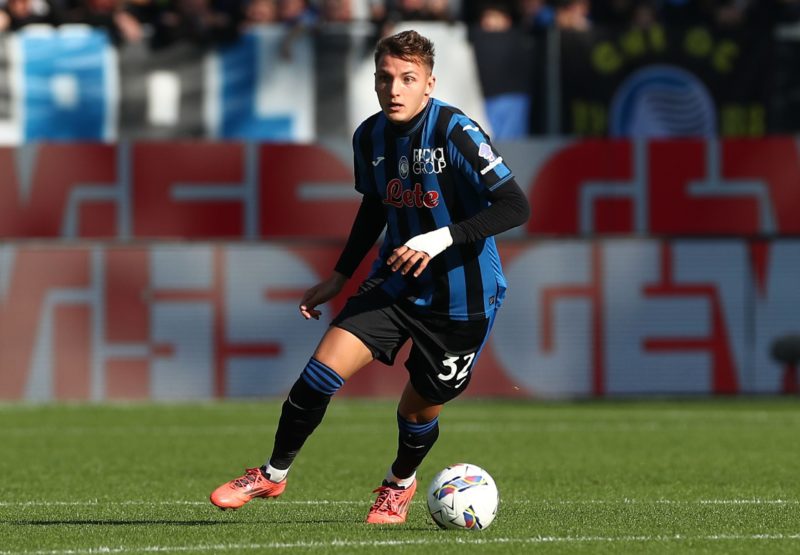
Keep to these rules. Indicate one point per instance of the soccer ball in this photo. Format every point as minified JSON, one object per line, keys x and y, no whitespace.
{"x":463,"y":497}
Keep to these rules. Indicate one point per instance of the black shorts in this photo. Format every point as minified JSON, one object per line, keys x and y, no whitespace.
{"x":443,"y":351}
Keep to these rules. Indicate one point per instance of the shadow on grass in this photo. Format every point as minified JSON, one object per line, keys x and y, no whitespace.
{"x":162,"y":522}
{"x":100,"y":522}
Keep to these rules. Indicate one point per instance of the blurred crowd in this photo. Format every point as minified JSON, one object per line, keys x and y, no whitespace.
{"x":208,"y":22}
{"x":509,"y":37}
{"x":582,"y":14}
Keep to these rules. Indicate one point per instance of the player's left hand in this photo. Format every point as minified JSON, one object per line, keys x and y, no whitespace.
{"x":404,"y":259}
{"x":419,"y":250}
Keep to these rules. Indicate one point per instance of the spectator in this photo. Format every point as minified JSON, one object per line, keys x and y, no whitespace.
{"x":410,"y":10}
{"x":753,"y":13}
{"x":725,"y":13}
{"x":260,"y":12}
{"x":418,"y":10}
{"x":645,"y":14}
{"x":300,"y":16}
{"x":112,"y":15}
{"x":641,"y":13}
{"x":19,"y":13}
{"x":537,"y":15}
{"x":356,"y":10}
{"x":496,"y":18}
{"x":297,"y":13}
{"x":377,"y":10}
{"x":504,"y":57}
{"x":572,"y":15}
{"x":337,"y":11}
{"x":440,"y":10}
{"x":200,"y":22}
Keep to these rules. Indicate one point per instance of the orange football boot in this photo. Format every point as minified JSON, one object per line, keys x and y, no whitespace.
{"x":237,"y":492}
{"x":391,"y":506}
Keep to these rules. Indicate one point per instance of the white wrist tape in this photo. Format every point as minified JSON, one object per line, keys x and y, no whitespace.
{"x":432,"y":242}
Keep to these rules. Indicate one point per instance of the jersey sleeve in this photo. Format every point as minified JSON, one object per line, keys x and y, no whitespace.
{"x":363,"y":183}
{"x":472,"y":153}
{"x":367,"y":227}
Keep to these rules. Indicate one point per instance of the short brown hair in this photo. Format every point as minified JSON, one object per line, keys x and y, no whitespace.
{"x":409,"y":46}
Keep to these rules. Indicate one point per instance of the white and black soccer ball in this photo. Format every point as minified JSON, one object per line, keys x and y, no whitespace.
{"x":463,"y":497}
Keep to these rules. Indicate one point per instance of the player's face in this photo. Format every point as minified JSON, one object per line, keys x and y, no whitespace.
{"x":403,"y":87}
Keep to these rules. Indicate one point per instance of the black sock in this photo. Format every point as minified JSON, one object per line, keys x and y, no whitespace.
{"x":414,"y":442}
{"x":301,"y":414}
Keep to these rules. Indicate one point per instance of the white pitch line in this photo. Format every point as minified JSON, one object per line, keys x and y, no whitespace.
{"x":98,"y":503}
{"x":626,"y":501}
{"x":441,"y":541}
{"x":664,"y":501}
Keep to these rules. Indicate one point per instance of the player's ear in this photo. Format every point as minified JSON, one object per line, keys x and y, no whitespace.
{"x":430,"y":85}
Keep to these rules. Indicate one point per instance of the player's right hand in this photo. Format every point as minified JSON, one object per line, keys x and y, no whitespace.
{"x":321,"y":294}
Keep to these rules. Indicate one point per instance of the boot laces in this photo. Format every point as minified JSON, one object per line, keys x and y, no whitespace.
{"x":387,"y":500}
{"x":251,"y":476}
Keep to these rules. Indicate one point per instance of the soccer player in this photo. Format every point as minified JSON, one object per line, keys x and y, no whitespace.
{"x":429,"y":176}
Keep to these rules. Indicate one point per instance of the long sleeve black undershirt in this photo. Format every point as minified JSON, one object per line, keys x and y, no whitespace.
{"x":367,"y":227}
{"x":509,"y":209}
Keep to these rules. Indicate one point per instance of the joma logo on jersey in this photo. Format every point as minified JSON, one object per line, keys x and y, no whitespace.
{"x":428,"y":161}
{"x":416,"y":197}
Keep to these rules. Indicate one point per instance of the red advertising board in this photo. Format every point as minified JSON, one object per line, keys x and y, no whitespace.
{"x":231,"y":191}
{"x":647,"y":267}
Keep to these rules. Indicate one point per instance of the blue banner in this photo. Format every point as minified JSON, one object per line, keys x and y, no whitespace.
{"x":68,"y":85}
{"x":264,"y":88}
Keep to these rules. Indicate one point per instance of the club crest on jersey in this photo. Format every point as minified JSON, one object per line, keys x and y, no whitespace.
{"x":416,"y":197}
{"x":402,"y":167}
{"x":485,"y":152}
{"x":428,"y":161}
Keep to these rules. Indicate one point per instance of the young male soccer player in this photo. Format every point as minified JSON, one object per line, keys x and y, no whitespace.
{"x":430,"y":176}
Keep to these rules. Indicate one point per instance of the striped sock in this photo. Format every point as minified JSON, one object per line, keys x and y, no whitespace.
{"x":322,"y":378}
{"x":302,"y":412}
{"x":414,"y":442}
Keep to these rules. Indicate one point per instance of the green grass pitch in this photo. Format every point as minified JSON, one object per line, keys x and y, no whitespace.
{"x":692,"y":476}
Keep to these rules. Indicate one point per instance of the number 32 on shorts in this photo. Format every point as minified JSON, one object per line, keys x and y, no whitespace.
{"x":457,"y":368}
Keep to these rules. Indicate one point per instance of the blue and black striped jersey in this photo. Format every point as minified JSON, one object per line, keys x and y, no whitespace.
{"x":429,"y":175}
